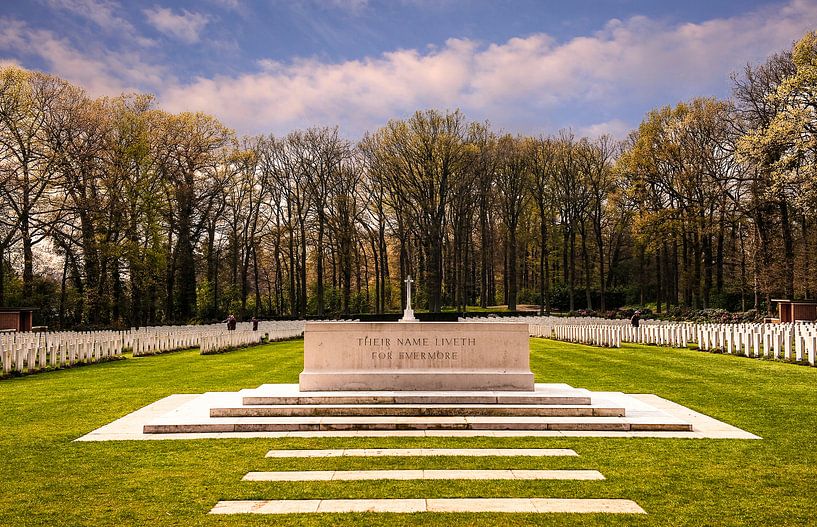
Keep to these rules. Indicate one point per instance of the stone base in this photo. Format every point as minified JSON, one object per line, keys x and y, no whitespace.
{"x":438,"y":356}
{"x":282,"y":410}
{"x":415,"y":381}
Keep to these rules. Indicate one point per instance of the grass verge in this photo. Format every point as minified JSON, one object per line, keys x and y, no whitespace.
{"x":46,"y":479}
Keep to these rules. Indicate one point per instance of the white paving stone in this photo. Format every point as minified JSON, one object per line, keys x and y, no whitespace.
{"x":355,"y":475}
{"x":376,"y":505}
{"x":425,"y":452}
{"x":509,"y":505}
{"x":610,"y":506}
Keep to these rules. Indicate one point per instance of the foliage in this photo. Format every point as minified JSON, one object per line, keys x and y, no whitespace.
{"x":119,"y":213}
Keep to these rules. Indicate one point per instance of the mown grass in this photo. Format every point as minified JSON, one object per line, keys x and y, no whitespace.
{"x":46,"y":479}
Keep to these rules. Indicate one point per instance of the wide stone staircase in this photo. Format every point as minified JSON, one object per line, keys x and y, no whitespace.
{"x":283,"y":407}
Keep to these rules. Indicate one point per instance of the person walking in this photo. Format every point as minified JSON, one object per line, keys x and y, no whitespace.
{"x":254,"y":324}
{"x":231,"y":323}
{"x":636,"y":318}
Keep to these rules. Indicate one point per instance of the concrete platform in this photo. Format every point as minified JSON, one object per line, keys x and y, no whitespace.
{"x":188,"y":416}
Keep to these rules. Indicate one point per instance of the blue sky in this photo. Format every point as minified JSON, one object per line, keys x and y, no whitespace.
{"x":527,"y":66}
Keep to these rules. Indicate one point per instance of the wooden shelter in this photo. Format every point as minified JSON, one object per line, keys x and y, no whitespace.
{"x":16,"y":318}
{"x":794,"y":310}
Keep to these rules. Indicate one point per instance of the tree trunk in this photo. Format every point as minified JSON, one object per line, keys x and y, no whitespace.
{"x":378,"y":288}
{"x":28,"y":259}
{"x":719,"y":257}
{"x":788,"y":250}
{"x":659,"y":288}
{"x":806,"y":260}
{"x":63,"y":283}
{"x":255,"y":279}
{"x":571,"y":283}
{"x":602,"y":270}
{"x":543,"y":233}
{"x":3,"y":278}
{"x":433,"y":284}
{"x":384,"y":267}
{"x":319,"y":264}
{"x":303,"y":268}
{"x":293,"y":304}
{"x":512,"y":268}
{"x":586,"y":270}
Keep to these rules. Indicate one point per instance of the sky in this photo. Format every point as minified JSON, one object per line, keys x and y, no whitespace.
{"x":530,"y":67}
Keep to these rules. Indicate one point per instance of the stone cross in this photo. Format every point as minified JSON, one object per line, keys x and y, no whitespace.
{"x":408,"y":282}
{"x":408,"y":313}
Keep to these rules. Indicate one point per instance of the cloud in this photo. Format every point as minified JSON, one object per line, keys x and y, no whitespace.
{"x":227,"y":4}
{"x":102,"y":72}
{"x":532,"y":84}
{"x":103,"y":13}
{"x":186,"y":26}
{"x":353,"y":6}
{"x":615,"y":128}
{"x":523,"y":84}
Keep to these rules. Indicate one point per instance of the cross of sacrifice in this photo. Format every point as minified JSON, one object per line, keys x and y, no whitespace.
{"x":408,"y":282}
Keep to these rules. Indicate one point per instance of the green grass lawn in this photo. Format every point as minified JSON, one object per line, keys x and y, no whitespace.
{"x":46,"y":479}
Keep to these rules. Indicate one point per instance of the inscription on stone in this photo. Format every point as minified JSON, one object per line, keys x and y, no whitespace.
{"x":395,"y":348}
{"x":417,"y":341}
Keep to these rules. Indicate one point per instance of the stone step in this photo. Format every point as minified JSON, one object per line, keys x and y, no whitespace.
{"x":415,"y":410}
{"x":278,"y":424}
{"x":416,"y":398}
{"x":291,"y":394}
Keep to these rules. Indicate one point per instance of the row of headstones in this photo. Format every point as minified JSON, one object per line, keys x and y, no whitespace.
{"x":21,"y":352}
{"x":797,"y":341}
{"x":26,"y":352}
{"x":608,"y":336}
{"x":788,"y":341}
{"x":242,"y":336}
{"x":160,"y":339}
{"x":673,"y":335}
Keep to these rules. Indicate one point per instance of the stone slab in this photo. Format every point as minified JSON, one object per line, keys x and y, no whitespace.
{"x":272,"y":424}
{"x":357,"y":475}
{"x":452,"y":356}
{"x":424,"y":452}
{"x":506,"y":505}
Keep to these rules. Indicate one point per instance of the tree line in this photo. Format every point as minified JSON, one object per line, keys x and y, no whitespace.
{"x":115,"y":212}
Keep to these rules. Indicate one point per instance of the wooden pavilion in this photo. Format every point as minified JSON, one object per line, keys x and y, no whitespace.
{"x":16,"y":318}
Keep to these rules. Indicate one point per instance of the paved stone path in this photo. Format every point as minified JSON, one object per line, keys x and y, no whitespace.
{"x":423,"y":452}
{"x":357,"y":475}
{"x":378,"y":505}
{"x":518,"y":505}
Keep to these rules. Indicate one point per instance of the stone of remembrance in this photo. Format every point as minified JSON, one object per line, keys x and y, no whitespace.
{"x":425,"y":356}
